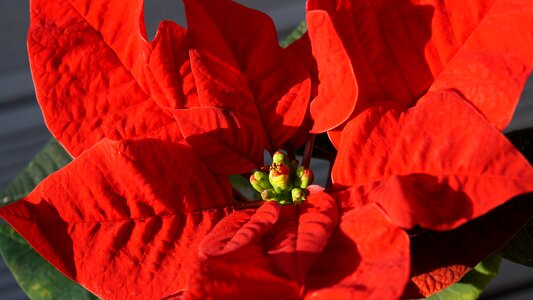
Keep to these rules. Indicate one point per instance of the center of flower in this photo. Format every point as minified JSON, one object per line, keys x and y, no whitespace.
{"x":284,"y":182}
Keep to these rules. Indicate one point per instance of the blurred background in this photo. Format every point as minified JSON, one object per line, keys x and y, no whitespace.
{"x":23,"y":133}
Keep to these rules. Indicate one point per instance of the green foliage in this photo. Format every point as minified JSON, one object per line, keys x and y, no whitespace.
{"x":300,"y":30}
{"x":520,"y":248}
{"x":472,"y":284}
{"x":36,"y":277}
{"x":242,"y":185}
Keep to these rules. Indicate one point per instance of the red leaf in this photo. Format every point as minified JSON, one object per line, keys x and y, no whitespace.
{"x":338,"y":90}
{"x":384,"y":43}
{"x":398,"y":49}
{"x":335,"y":135}
{"x":110,"y":222}
{"x":291,"y":235}
{"x":279,"y":83}
{"x":301,"y":233}
{"x":494,"y":58}
{"x":430,"y":165}
{"x":265,"y":88}
{"x":172,"y":83}
{"x":239,"y":229}
{"x":440,"y":259}
{"x":301,"y":50}
{"x":367,"y":258}
{"x":246,"y":273}
{"x":229,"y":142}
{"x":275,"y":245}
{"x":233,"y":262}
{"x":96,"y":75}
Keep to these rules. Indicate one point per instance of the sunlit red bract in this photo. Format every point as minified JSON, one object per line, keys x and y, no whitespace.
{"x":397,"y":50}
{"x":412,"y":93}
{"x":435,"y":83}
{"x":311,"y":251}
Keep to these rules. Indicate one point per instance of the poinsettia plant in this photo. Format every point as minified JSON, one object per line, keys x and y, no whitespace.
{"x":413,"y":96}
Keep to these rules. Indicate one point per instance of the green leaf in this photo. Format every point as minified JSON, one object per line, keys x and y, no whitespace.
{"x":472,"y":284}
{"x":242,"y":185}
{"x":520,"y":248}
{"x":297,"y":33}
{"x":36,"y":277}
{"x":49,"y":159}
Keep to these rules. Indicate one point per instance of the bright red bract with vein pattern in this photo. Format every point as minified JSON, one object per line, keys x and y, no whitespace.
{"x":460,"y":67}
{"x":397,"y":50}
{"x":412,"y":93}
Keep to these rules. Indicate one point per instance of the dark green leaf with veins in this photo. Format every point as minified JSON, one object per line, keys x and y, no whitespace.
{"x":36,"y":277}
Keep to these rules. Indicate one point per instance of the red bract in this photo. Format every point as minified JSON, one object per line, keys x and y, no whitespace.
{"x":263,"y":90}
{"x":443,"y":162}
{"x":214,"y":84}
{"x":124,"y":219}
{"x":440,"y":258}
{"x":437,"y":165}
{"x":97,"y":77}
{"x":135,"y":218}
{"x":425,"y":167}
{"x":294,"y":252}
{"x":397,"y":50}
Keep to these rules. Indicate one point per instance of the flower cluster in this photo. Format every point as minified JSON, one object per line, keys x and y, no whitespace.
{"x":284,"y":182}
{"x":412,"y":94}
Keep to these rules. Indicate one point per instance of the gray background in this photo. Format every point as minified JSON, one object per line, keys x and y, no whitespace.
{"x":22,"y":130}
